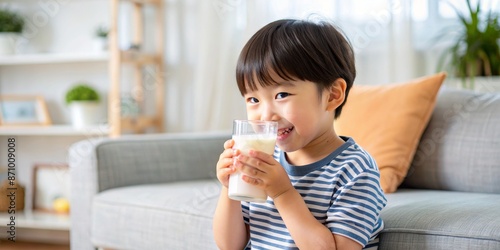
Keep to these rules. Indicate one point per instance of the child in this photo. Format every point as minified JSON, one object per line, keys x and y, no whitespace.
{"x":323,"y":189}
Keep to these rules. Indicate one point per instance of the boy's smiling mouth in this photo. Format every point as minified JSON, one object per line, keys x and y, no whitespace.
{"x":283,"y":133}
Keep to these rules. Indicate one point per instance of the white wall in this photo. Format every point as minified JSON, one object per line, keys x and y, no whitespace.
{"x":60,"y":25}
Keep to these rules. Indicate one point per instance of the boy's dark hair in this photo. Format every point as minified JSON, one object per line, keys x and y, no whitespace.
{"x":296,"y":49}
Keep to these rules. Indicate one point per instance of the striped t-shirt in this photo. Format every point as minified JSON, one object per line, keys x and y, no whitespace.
{"x":342,"y":191}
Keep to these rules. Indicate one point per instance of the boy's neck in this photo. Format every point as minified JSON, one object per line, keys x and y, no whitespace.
{"x":318,"y":149}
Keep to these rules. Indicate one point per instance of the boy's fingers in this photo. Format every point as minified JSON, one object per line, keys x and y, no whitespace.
{"x":225,"y":163}
{"x":227,"y":171}
{"x":249,"y":162}
{"x":261,"y":156}
{"x":248,"y":166}
{"x":251,"y":180}
{"x":228,"y":144}
{"x":228,"y":153}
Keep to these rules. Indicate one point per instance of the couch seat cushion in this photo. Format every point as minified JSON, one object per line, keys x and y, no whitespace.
{"x":421,"y":219}
{"x":161,"y":216}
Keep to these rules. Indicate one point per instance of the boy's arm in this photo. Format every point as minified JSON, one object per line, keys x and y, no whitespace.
{"x":230,"y":230}
{"x":306,"y":231}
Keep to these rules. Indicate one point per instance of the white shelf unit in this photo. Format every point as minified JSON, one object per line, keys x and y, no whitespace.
{"x":54,"y":55}
{"x":48,"y":58}
{"x":37,"y":227}
{"x":54,"y":130}
{"x":41,"y":59}
{"x":37,"y":220}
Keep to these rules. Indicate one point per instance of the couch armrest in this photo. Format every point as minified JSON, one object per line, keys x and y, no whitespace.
{"x":100,"y":164}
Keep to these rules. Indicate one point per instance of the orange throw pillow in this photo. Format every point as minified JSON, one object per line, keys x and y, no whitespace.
{"x":388,"y":121}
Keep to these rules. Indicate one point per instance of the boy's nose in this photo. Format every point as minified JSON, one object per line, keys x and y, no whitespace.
{"x":268,"y":114}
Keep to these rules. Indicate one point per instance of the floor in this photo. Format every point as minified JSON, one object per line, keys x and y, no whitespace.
{"x":7,"y":245}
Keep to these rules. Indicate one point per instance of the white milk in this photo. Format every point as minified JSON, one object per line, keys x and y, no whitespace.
{"x":264,"y":143}
{"x":238,"y":188}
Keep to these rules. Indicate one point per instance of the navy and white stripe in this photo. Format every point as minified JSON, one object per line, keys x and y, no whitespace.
{"x":342,"y":191}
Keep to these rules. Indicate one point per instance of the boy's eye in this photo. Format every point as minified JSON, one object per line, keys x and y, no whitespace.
{"x":252,"y":100}
{"x":282,"y":95}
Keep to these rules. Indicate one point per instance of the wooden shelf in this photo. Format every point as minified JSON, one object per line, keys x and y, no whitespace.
{"x":139,"y":58}
{"x":145,"y":1}
{"x":47,"y":58}
{"x":53,"y":130}
{"x":138,"y":123}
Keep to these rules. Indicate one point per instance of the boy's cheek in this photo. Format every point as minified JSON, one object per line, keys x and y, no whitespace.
{"x":252,"y":115}
{"x":288,"y":111}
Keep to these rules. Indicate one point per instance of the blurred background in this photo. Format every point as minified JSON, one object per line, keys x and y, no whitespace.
{"x":394,"y":40}
{"x":65,"y":43}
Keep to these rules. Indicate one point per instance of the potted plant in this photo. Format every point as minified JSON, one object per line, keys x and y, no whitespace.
{"x":475,"y":51}
{"x":11,"y":26}
{"x":83,"y":102}
{"x":101,"y":35}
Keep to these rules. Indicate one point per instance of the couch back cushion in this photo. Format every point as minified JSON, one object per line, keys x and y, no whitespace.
{"x":388,"y":121}
{"x":158,"y":158}
{"x":460,"y":148}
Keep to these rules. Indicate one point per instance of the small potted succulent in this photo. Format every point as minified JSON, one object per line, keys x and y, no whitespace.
{"x":101,"y":38}
{"x":83,"y":101}
{"x":11,"y":26}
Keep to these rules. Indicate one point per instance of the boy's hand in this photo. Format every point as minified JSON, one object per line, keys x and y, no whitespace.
{"x":264,"y":171}
{"x":225,"y":164}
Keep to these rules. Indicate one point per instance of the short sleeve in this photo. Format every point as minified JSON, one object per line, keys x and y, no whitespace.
{"x":356,"y":206}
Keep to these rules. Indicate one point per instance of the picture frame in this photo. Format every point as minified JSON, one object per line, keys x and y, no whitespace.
{"x":50,"y":182}
{"x":23,"y":110}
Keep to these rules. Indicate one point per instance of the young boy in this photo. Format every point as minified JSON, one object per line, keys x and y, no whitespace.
{"x":323,"y":189}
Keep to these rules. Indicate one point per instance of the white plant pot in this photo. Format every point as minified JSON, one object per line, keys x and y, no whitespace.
{"x":100,"y":44}
{"x":487,"y":84}
{"x":481,"y":84}
{"x":84,"y":113}
{"x":8,"y":42}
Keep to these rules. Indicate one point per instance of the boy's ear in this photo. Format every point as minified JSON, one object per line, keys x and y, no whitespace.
{"x":336,"y":94}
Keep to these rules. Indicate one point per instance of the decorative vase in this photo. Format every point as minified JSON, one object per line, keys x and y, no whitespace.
{"x":84,"y":113}
{"x":8,"y":42}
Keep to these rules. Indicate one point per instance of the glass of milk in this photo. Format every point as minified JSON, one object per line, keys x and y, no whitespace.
{"x":256,"y":135}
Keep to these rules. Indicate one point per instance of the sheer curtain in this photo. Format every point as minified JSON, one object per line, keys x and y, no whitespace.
{"x":379,"y":30}
{"x":205,"y":38}
{"x":392,"y":41}
{"x":216,"y":99}
{"x":203,"y":42}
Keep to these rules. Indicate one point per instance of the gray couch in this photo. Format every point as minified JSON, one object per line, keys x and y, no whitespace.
{"x":160,"y":191}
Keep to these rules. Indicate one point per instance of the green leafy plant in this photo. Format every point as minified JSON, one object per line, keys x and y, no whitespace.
{"x":102,"y":31}
{"x":81,"y":92}
{"x":10,"y":21}
{"x":475,"y":51}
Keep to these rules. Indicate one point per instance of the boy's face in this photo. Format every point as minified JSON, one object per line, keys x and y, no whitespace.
{"x":304,"y":115}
